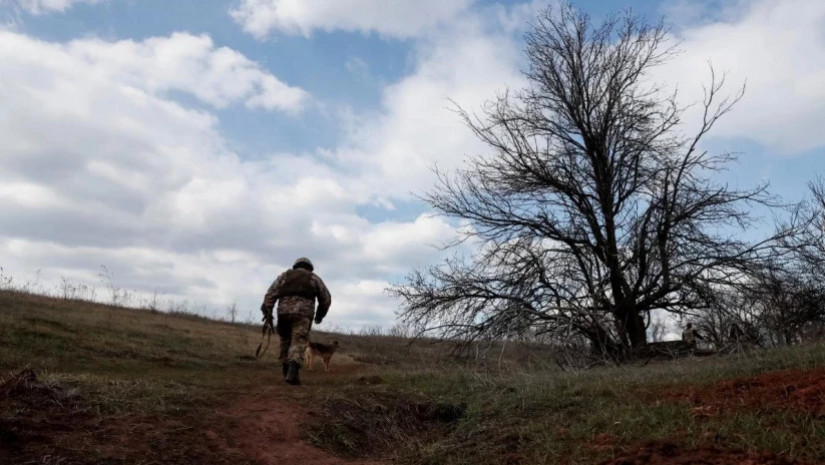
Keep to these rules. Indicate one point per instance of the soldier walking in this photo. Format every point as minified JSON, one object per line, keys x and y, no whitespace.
{"x":690,"y":335}
{"x":295,"y":291}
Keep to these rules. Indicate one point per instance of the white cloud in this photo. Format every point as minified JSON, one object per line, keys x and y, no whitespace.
{"x":218,"y":76}
{"x":465,"y":64}
{"x":779,"y":49}
{"x":400,"y":18}
{"x":364,"y":302}
{"x":393,"y":240}
{"x":101,"y":166}
{"x":38,"y":7}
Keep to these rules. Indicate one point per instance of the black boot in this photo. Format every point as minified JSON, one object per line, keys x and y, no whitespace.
{"x":285,"y":368}
{"x":292,"y":374}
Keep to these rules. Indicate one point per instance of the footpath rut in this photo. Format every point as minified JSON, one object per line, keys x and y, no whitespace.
{"x":268,"y":423}
{"x":269,"y":431}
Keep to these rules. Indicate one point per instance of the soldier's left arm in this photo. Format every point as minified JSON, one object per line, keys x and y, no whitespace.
{"x":324,"y":298}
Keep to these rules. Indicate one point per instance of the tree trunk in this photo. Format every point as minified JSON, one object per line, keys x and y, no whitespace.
{"x":602,"y":344}
{"x":631,"y":328}
{"x":636,"y":331}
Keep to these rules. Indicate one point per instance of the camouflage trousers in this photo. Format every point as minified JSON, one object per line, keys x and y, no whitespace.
{"x":294,"y":333}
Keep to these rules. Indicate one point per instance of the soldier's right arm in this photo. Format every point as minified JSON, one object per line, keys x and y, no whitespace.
{"x":272,"y":294}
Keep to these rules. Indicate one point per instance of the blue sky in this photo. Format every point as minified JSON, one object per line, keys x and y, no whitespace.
{"x":294,"y":59}
{"x":361,"y":63}
{"x":197,"y":147}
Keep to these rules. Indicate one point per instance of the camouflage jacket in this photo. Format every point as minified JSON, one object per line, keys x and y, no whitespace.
{"x":295,"y":291}
{"x":690,"y":335}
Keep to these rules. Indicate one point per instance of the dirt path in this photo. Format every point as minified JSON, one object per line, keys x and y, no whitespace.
{"x":269,"y":431}
{"x":269,"y":422}
{"x":262,"y":425}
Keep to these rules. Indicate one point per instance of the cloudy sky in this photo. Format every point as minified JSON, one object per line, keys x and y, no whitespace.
{"x":196,"y":148}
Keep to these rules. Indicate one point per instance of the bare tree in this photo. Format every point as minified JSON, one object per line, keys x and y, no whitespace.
{"x":657,"y":328}
{"x":732,"y":315}
{"x":785,"y":303}
{"x":789,"y":304}
{"x":232,"y":309}
{"x":592,"y":209}
{"x":808,"y":244}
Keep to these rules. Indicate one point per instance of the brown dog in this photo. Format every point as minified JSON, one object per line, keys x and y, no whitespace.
{"x":323,"y":350}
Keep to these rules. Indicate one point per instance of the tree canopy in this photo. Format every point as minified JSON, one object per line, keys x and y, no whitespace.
{"x":592,"y":207}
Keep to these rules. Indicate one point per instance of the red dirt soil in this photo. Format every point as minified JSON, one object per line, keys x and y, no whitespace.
{"x":264,"y":427}
{"x":665,"y":453}
{"x":269,"y":430}
{"x":801,"y":391}
{"x":795,"y":390}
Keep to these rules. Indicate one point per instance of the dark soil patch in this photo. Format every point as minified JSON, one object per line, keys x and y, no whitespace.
{"x":50,"y":424}
{"x":370,"y":380}
{"x":666,"y":453}
{"x":801,"y":391}
{"x":35,"y":416}
{"x":373,"y":423}
{"x":156,"y":440}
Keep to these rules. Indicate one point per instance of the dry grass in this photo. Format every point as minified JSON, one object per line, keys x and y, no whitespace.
{"x":400,"y":353}
{"x":135,"y":373}
{"x":160,"y":378}
{"x":582,"y":417}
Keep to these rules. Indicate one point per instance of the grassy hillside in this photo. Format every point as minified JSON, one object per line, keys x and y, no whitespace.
{"x":111,"y":385}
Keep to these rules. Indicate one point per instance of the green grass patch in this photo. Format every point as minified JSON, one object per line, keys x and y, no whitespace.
{"x":581,"y":417}
{"x":161,"y":378}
